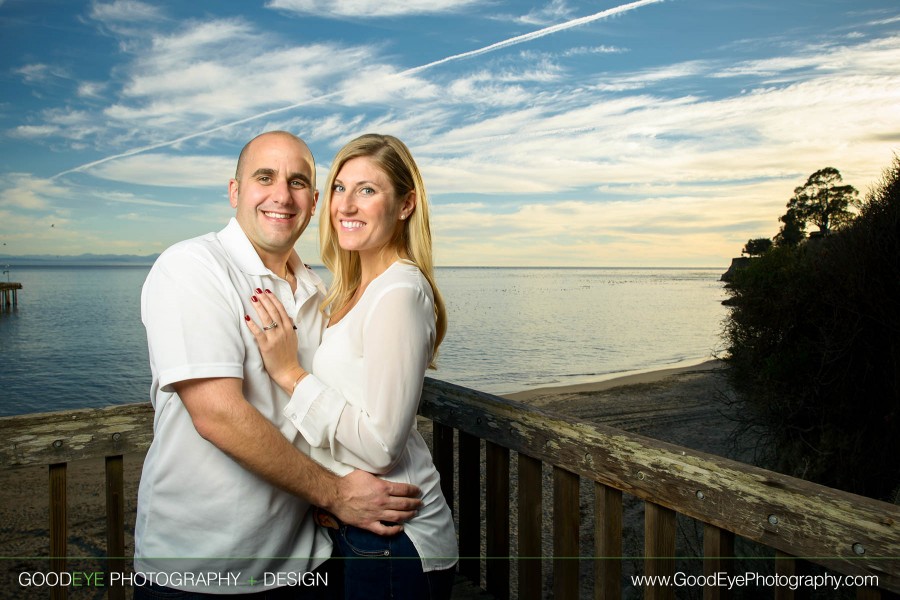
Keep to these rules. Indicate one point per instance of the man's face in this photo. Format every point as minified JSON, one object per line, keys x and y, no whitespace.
{"x":275,"y":197}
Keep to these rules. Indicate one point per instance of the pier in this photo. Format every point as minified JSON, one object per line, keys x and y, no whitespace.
{"x":9,"y":294}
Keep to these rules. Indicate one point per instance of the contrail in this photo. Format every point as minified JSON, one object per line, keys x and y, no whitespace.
{"x":527,"y":37}
{"x":519,"y":39}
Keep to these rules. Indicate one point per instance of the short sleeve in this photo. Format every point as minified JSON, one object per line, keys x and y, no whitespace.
{"x":192,"y":316}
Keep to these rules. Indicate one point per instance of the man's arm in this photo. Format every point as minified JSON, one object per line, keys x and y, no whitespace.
{"x":223,"y":417}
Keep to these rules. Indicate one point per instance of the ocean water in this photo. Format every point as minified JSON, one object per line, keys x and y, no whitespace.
{"x":76,"y":338}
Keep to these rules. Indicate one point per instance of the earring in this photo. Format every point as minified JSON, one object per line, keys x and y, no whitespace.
{"x":402,"y":217}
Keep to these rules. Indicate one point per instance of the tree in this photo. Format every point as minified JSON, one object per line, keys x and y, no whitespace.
{"x":757,"y":247}
{"x":793,"y":230}
{"x":824,"y":201}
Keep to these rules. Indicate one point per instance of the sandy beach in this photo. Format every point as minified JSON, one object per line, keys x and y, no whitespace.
{"x":688,"y":405}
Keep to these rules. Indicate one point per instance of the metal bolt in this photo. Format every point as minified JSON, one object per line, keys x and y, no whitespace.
{"x":773,"y":520}
{"x":700,"y":495}
{"x":58,"y":444}
{"x":641,"y":475}
{"x":859,"y":549}
{"x":116,"y":437}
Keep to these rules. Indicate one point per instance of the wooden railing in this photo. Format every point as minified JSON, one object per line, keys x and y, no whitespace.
{"x":847,"y":534}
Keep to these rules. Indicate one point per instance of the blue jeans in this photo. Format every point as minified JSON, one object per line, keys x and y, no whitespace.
{"x":380,"y":567}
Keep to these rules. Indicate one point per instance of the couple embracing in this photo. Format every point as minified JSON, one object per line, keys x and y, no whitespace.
{"x":284,"y":428}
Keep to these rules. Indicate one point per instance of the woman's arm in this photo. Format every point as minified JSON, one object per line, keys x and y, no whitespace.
{"x":372,"y":432}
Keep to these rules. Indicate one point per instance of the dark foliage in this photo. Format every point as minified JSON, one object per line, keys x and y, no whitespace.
{"x":757,"y":247}
{"x":814,"y":341}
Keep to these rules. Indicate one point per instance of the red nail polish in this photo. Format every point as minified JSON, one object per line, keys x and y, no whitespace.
{"x":268,"y":291}
{"x":258,"y":291}
{"x":246,"y":317}
{"x":254,"y":298}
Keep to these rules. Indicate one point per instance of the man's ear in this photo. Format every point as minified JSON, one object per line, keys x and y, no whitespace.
{"x":233,"y":192}
{"x":315,"y":202}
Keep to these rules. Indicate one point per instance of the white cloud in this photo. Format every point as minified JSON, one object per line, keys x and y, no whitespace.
{"x":25,"y":191}
{"x":556,"y":11}
{"x":40,"y":73}
{"x":370,"y":8}
{"x":125,"y":11}
{"x":168,"y":170}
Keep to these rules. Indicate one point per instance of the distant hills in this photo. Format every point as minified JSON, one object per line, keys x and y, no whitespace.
{"x":85,"y":260}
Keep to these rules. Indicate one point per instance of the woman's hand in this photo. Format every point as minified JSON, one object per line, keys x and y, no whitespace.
{"x":277,"y":340}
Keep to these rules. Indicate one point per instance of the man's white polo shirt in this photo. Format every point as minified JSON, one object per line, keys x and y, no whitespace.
{"x":198,"y":510}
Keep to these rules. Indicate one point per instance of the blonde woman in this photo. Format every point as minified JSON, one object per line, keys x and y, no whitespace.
{"x":357,"y":408}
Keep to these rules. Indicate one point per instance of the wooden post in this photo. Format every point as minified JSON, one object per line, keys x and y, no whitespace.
{"x":659,"y":549}
{"x":497,"y":513}
{"x":718,"y":551}
{"x":530,"y":516}
{"x":443,"y":459}
{"x":59,"y":526}
{"x":115,"y":524}
{"x":566,"y":522}
{"x":607,"y":542}
{"x":470,"y":507}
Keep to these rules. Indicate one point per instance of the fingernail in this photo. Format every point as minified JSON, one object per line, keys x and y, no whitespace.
{"x":258,"y":291}
{"x":254,"y":298}
{"x":268,"y":291}
{"x":246,"y":317}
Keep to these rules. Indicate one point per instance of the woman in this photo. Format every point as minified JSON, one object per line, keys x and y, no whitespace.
{"x":357,"y":409}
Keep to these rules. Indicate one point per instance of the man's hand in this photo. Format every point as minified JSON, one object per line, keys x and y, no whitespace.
{"x":368,"y":502}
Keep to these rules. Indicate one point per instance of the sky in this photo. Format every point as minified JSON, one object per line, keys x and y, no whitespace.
{"x":655,"y":133}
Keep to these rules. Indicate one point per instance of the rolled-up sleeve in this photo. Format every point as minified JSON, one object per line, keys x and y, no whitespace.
{"x":371,"y":432}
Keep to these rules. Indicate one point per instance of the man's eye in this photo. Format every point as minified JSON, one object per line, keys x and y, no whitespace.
{"x":298,"y":183}
{"x":264,"y":179}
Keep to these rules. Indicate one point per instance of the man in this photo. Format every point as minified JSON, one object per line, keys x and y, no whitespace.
{"x":223,"y":498}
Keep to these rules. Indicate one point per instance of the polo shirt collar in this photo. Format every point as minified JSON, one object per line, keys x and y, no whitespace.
{"x":242,"y":252}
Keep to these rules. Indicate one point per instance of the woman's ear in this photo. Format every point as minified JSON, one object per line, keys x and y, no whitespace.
{"x":409,"y":205}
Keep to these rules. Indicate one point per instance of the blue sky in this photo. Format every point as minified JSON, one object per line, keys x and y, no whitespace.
{"x":550,"y":132}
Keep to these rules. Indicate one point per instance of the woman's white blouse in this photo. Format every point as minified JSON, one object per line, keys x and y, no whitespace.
{"x":357,"y":409}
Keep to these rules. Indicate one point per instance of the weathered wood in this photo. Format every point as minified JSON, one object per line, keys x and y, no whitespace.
{"x":566,"y":522}
{"x":867,"y":593}
{"x":785,"y":566}
{"x":470,"y":507}
{"x":59,"y":526}
{"x":497,"y":525}
{"x":530,"y":514}
{"x":9,"y":295}
{"x":607,"y":542}
{"x":718,"y":552}
{"x":659,"y":550}
{"x":115,"y":524}
{"x":443,"y":459}
{"x":845,"y":532}
{"x":48,"y":438}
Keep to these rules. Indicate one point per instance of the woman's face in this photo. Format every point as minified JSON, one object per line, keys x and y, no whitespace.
{"x":365,"y":212}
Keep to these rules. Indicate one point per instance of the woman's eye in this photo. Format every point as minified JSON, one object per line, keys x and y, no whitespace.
{"x":337,"y":188}
{"x":366,"y":191}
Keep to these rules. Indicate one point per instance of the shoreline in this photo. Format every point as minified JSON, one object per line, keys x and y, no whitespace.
{"x":613,"y":380}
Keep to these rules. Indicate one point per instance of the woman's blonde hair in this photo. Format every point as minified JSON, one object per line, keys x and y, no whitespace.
{"x":395,"y":160}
